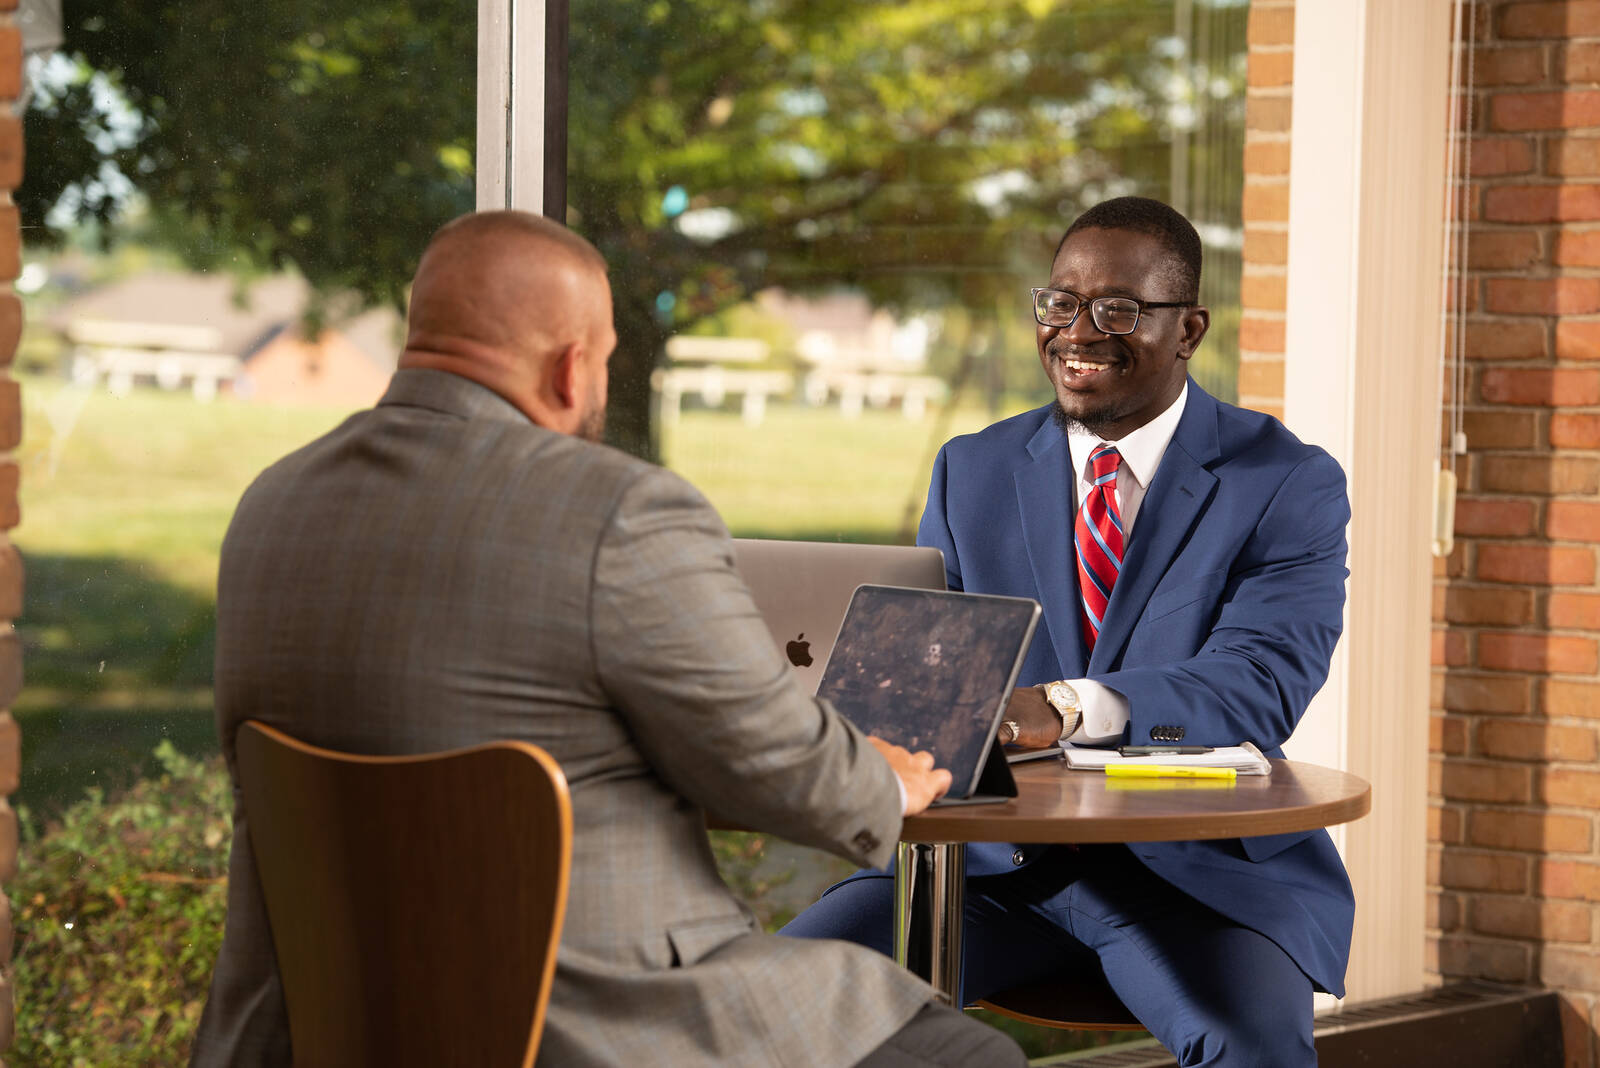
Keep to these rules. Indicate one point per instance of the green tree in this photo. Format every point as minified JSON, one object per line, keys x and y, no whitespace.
{"x":332,"y":138}
{"x":928,"y":151}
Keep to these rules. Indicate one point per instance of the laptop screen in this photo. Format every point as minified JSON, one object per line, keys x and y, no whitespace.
{"x":930,"y":670}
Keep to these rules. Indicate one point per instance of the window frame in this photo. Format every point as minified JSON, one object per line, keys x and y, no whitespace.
{"x":521,"y":158}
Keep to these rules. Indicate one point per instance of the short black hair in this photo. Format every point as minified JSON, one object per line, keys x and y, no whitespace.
{"x":1143,"y":215}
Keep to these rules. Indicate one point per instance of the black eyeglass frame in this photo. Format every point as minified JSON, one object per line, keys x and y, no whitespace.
{"x":1140,"y":307}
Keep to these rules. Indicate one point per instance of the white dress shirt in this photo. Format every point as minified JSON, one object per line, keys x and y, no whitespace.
{"x":1105,"y":711}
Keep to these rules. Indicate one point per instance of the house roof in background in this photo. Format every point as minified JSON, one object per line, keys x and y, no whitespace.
{"x":240,"y":318}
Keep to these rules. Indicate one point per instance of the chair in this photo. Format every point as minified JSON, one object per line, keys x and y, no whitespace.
{"x":1070,"y":1002}
{"x":415,"y":902}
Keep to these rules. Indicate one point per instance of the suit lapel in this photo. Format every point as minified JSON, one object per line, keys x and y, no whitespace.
{"x":1044,"y":496}
{"x":1173,"y":504}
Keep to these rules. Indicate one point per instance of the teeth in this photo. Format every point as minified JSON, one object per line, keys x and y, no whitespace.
{"x":1083,"y":365}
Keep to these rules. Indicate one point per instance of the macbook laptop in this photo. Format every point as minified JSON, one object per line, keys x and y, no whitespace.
{"x":933,"y":670}
{"x":803,"y":588}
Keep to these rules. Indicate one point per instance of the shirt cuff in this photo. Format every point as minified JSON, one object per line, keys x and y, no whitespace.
{"x":1105,"y":713}
{"x":898,"y":785}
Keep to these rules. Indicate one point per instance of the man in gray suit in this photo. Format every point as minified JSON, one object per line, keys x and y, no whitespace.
{"x":464,"y":563}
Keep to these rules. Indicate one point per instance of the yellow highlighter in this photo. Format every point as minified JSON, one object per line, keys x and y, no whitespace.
{"x":1167,"y":771}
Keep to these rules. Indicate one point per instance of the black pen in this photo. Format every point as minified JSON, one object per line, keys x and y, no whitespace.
{"x":1161,"y":750}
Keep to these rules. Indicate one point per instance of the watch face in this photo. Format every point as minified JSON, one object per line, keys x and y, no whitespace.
{"x":1062,"y":696}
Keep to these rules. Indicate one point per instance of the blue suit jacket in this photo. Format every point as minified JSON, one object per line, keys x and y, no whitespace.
{"x":1223,"y":621}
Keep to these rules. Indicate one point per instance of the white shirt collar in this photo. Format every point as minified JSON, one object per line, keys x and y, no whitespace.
{"x":1141,"y":449}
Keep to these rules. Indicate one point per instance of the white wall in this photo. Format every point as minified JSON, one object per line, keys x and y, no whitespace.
{"x":1366,"y":210}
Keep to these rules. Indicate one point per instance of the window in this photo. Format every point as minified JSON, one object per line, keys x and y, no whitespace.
{"x":823,"y":220}
{"x":223,"y":205}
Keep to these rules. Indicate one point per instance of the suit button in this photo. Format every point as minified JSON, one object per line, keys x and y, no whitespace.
{"x":1019,"y":857}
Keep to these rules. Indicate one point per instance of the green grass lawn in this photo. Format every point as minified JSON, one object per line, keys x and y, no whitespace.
{"x":124,"y":503}
{"x":813,"y":475}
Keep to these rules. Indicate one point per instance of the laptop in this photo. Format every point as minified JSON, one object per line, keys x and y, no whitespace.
{"x":930,"y":669}
{"x":802,"y":589}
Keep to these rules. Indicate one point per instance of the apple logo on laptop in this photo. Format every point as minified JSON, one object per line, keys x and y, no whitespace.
{"x":799,"y":651}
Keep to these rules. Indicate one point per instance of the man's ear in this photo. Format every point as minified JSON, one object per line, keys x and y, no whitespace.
{"x":1196,"y":321}
{"x":565,"y":372}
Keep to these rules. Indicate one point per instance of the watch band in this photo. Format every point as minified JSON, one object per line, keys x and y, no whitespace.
{"x":1061,"y":696}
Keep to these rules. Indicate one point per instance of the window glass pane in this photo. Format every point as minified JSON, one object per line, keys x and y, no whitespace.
{"x":223,"y":204}
{"x":858,"y":196}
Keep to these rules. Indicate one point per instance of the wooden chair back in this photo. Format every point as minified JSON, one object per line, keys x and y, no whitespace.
{"x":415,"y":902}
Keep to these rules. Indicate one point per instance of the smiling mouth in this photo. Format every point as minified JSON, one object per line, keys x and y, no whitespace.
{"x":1079,"y":369}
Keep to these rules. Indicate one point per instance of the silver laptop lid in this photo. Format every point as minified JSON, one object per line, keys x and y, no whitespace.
{"x":803,"y":588}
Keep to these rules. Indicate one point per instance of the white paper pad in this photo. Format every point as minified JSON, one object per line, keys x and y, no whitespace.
{"x":1246,"y":759}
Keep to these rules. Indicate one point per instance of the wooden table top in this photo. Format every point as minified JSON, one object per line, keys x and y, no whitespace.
{"x":1056,"y":804}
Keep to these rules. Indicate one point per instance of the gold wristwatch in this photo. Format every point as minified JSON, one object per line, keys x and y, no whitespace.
{"x":1064,"y":699}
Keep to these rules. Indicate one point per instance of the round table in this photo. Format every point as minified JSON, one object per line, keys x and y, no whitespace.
{"x":1055,"y":804}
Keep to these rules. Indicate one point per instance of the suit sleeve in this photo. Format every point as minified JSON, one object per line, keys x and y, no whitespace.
{"x":686,"y":659}
{"x":934,"y":530}
{"x":1281,"y":614}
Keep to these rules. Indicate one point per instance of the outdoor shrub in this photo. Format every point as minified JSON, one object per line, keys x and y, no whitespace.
{"x":119,"y":911}
{"x":740,"y":856}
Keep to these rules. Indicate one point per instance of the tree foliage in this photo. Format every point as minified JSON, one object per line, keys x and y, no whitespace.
{"x":333,"y":138}
{"x":928,"y":151}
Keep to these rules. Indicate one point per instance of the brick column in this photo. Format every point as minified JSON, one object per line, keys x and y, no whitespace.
{"x":1266,"y":205}
{"x":1515,"y":873}
{"x":10,"y":437}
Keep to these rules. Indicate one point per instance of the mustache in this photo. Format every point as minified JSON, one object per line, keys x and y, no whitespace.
{"x":1102,"y":352}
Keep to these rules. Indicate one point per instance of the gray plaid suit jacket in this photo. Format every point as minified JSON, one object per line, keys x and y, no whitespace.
{"x":438,"y":572}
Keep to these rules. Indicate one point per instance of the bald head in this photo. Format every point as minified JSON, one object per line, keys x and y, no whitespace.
{"x":519,"y":304}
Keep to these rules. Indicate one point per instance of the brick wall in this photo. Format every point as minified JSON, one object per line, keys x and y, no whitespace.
{"x":1514,"y":870}
{"x":10,"y":437}
{"x":1262,"y":289}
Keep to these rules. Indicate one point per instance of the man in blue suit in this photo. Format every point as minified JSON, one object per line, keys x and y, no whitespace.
{"x":1190,"y":557}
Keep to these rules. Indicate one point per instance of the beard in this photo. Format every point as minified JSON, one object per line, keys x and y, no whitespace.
{"x":593,"y":425}
{"x":1092,"y":422}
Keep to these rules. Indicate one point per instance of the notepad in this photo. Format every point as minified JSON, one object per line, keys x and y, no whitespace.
{"x":1245,"y":759}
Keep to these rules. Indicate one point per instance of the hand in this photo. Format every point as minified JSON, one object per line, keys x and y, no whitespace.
{"x":924,"y":783}
{"x":1038,"y":723}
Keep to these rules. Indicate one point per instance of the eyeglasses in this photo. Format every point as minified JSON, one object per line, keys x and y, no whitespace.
{"x":1111,"y":315}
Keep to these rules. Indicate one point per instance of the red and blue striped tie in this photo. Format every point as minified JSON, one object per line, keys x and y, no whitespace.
{"x":1098,"y":537}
